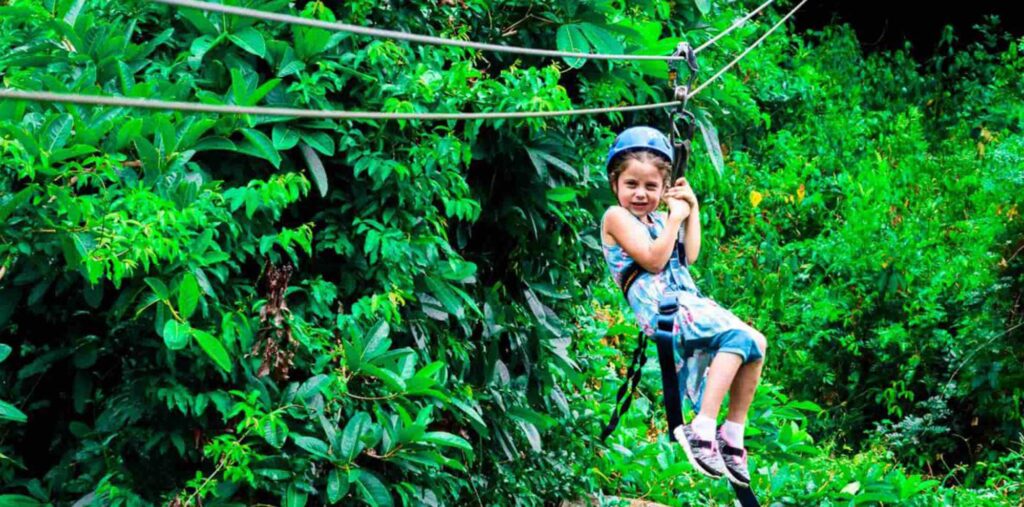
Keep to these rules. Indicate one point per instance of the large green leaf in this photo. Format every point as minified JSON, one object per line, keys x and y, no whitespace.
{"x":188,"y":295}
{"x":355,"y":428}
{"x":11,"y":413}
{"x":213,"y":348}
{"x":57,"y":132}
{"x":337,"y":485}
{"x":250,"y":40}
{"x":374,"y":491}
{"x":312,"y":445}
{"x":570,"y":38}
{"x":260,"y":145}
{"x":176,"y":334}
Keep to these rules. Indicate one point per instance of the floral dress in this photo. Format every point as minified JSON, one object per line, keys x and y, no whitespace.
{"x":698,"y":317}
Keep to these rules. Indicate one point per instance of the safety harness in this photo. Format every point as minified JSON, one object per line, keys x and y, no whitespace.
{"x":669,"y":342}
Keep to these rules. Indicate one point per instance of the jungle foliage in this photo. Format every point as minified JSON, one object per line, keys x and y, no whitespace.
{"x":227,"y":310}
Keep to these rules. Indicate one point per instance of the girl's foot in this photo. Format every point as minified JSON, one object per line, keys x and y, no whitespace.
{"x":702,"y":454}
{"x":735,"y":460}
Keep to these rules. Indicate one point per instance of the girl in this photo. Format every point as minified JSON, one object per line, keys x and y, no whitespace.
{"x":633,"y":231}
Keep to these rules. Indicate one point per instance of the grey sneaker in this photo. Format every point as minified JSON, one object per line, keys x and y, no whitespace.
{"x":735,"y":459}
{"x":703,"y":454}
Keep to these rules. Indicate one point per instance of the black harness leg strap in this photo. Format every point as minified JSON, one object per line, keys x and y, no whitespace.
{"x":666,"y":340}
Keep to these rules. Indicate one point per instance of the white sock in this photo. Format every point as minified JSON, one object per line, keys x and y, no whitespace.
{"x":733,"y":433}
{"x":704,"y":427}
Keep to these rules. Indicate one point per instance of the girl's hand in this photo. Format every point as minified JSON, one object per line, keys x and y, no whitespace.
{"x":682,"y":190}
{"x":677,"y":207}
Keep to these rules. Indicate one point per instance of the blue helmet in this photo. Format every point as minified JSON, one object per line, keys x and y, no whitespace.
{"x":640,"y":138}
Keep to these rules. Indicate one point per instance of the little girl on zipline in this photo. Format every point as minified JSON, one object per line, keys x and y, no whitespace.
{"x":634,"y":231}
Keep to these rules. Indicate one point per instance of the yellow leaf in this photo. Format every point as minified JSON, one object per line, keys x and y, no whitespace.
{"x":755,"y":198}
{"x":800,"y":193}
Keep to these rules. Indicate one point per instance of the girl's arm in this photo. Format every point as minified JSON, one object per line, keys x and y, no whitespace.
{"x":691,"y":239}
{"x":633,"y":237}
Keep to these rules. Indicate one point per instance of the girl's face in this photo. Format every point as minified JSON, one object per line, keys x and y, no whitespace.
{"x":639,"y":188}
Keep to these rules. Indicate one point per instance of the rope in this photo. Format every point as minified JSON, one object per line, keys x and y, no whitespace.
{"x":736,"y":24}
{"x":745,"y":51}
{"x":391,"y":34}
{"x":75,"y":98}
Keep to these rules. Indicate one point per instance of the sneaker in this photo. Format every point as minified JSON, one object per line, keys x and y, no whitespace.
{"x":735,"y":459}
{"x":703,"y":454}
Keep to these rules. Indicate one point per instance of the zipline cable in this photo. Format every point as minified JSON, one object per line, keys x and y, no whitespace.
{"x":427,"y":39}
{"x":735,"y":24}
{"x":75,"y":98}
{"x":745,"y":51}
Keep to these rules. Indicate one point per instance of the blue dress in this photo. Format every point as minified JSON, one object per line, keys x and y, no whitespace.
{"x":698,"y":317}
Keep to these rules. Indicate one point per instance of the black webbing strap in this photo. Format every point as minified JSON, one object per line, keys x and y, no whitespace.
{"x":666,"y":341}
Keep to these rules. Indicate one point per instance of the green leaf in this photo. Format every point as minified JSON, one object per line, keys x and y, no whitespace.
{"x":374,"y":491}
{"x":350,"y":444}
{"x":19,"y":500}
{"x":176,"y":334}
{"x":569,"y":38}
{"x":73,"y":10}
{"x":188,"y":295}
{"x":213,"y":348}
{"x":275,"y":431}
{"x":704,"y":6}
{"x":602,"y":40}
{"x":158,"y":287}
{"x":11,"y":413}
{"x":320,"y":141}
{"x":561,"y":194}
{"x":313,"y":386}
{"x":250,"y":40}
{"x":295,"y":497}
{"x":337,"y":486}
{"x":377,"y":342}
{"x":262,"y":146}
{"x":5,"y":351}
{"x":312,"y":445}
{"x":285,"y":137}
{"x":199,"y":20}
{"x":391,"y":379}
{"x":316,"y":168}
{"x":447,"y":440}
{"x":56,"y":132}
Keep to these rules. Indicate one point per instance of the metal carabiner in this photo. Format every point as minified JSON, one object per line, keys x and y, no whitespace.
{"x":680,"y":140}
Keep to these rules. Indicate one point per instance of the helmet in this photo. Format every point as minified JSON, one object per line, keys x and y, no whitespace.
{"x":640,"y":138}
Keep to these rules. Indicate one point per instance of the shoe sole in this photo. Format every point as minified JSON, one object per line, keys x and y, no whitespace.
{"x":735,"y":480}
{"x":681,"y":438}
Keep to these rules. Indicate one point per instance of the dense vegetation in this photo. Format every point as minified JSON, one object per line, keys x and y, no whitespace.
{"x":240,"y":310}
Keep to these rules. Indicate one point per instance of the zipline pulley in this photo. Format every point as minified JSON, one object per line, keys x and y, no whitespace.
{"x":682,"y":123}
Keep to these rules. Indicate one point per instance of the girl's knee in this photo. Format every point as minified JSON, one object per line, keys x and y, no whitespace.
{"x":761,"y":341}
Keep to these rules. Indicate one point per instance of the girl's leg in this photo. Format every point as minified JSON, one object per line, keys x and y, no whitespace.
{"x":741,"y":394}
{"x":721,"y":373}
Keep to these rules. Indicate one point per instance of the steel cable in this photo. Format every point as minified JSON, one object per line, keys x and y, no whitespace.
{"x":427,"y":39}
{"x":76,"y":98}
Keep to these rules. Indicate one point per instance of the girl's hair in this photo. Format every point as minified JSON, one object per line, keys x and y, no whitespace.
{"x":642,"y":156}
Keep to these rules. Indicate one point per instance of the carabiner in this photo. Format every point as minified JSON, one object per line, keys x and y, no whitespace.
{"x":680,"y":140}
